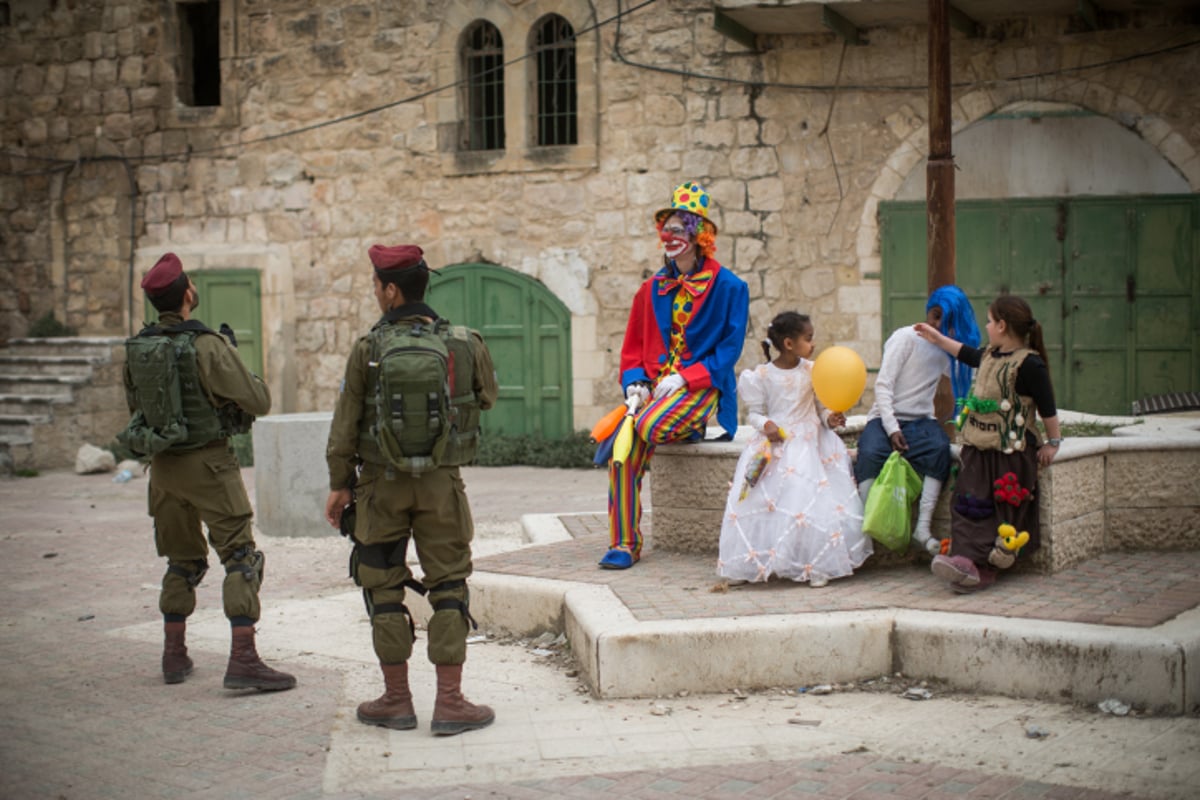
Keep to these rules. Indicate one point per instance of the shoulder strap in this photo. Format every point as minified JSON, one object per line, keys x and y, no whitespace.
{"x":186,"y":326}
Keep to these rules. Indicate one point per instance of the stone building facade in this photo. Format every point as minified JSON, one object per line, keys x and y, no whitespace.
{"x":332,"y":126}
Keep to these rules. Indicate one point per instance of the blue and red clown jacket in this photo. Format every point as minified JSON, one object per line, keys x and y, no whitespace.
{"x":714,"y":335}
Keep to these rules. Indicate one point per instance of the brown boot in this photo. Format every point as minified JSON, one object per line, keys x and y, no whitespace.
{"x":453,"y":713}
{"x":393,"y":709}
{"x":247,"y":671}
{"x":175,"y":662}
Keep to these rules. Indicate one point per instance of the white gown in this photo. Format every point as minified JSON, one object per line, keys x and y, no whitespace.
{"x":803,"y":517}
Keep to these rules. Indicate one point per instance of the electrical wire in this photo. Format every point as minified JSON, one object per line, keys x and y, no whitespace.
{"x":885,"y":87}
{"x":346,"y":117}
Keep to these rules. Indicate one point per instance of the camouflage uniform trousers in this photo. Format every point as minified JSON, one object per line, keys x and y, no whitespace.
{"x":433,"y":511}
{"x":204,"y":485}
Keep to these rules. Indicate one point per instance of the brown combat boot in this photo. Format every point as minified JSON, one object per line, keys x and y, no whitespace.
{"x":393,"y":709}
{"x":247,"y":671}
{"x":175,"y":662}
{"x":453,"y":713}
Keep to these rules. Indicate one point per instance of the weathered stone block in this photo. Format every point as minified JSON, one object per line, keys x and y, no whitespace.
{"x":291,"y":480}
{"x":1069,"y":541}
{"x":1153,"y":478}
{"x":1169,"y":528}
{"x":1071,"y":489}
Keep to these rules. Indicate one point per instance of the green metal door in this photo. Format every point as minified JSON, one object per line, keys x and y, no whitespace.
{"x":1113,"y":281}
{"x":1166,"y":290}
{"x":231,"y":296}
{"x":1100,"y":255}
{"x":528,"y":331}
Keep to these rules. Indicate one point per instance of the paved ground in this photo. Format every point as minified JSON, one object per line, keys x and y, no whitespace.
{"x":83,"y":711}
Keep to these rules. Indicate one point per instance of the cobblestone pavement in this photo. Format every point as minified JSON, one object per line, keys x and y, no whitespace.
{"x":84,"y":712}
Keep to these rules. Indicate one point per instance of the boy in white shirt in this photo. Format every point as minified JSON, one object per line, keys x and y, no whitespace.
{"x":902,"y":417}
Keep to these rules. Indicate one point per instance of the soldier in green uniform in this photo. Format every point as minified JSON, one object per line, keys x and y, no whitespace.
{"x":197,"y":479}
{"x":392,"y":505}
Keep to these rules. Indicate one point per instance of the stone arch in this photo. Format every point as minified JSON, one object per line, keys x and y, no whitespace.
{"x":975,"y":106}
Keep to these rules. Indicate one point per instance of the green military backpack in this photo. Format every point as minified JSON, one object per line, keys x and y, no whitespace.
{"x":171,"y":411}
{"x":152,"y":359}
{"x":426,"y":411}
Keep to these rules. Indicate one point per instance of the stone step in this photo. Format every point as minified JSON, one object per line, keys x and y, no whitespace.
{"x":17,"y":421}
{"x":41,"y":384}
{"x":38,"y":404}
{"x":13,"y":437}
{"x":49,"y":365}
{"x":97,"y":346}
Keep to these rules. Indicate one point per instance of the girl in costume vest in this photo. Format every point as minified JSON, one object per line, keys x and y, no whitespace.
{"x":994,"y":514}
{"x":793,"y":510}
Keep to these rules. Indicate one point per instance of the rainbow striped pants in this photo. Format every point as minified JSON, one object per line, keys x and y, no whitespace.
{"x":672,"y":418}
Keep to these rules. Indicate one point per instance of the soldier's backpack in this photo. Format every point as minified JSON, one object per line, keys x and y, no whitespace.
{"x":426,"y":411}
{"x":171,"y":409}
{"x":152,"y":359}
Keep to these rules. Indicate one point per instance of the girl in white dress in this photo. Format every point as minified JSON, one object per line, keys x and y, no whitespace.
{"x":802,"y":517}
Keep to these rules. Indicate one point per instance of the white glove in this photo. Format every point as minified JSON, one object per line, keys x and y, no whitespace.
{"x":640,"y":390}
{"x":669,"y":385}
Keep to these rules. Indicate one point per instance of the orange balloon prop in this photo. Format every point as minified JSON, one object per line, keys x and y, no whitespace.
{"x":839,"y":377}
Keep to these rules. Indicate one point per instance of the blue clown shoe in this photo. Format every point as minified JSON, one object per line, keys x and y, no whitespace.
{"x":618,"y":559}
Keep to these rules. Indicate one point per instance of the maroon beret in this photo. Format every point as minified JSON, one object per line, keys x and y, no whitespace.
{"x":162,"y":275}
{"x":400,"y":257}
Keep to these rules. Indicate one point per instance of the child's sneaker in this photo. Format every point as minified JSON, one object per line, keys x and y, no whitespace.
{"x":956,"y":570}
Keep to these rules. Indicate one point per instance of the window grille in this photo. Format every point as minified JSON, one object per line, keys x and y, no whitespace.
{"x":554,"y":51}
{"x":483,"y":65}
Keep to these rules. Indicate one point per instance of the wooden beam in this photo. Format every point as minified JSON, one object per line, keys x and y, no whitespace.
{"x":964,"y":24}
{"x":841,"y":26}
{"x":939,"y":169}
{"x":728,"y":26}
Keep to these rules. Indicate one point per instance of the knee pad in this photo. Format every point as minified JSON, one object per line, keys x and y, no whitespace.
{"x":392,"y":628}
{"x":179,"y":584}
{"x":450,"y":623}
{"x":243,"y":576}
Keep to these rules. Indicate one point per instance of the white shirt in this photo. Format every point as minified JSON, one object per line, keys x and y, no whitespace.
{"x":908,"y":379}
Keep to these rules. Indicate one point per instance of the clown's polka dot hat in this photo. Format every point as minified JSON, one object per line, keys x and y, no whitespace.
{"x":689,"y":196}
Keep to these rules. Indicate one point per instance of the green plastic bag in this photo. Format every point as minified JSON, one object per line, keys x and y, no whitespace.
{"x":887,"y":517}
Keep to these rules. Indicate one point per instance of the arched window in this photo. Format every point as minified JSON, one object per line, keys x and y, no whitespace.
{"x":556,"y":114}
{"x":483,"y":68}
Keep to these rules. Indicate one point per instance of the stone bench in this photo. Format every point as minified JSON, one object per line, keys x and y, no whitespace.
{"x":1137,"y":489}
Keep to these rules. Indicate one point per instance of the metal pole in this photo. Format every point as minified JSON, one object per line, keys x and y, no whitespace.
{"x":939,"y":172}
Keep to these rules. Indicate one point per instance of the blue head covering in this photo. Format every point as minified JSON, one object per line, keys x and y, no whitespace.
{"x":958,"y":322}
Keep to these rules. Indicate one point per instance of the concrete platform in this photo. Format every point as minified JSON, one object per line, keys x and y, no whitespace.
{"x":84,"y":712}
{"x":1121,"y":625}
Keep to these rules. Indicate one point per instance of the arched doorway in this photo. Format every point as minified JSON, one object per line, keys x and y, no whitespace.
{"x":528,"y":331}
{"x":1090,"y":224}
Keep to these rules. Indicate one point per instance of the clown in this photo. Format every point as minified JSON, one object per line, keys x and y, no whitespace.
{"x":685,"y":334}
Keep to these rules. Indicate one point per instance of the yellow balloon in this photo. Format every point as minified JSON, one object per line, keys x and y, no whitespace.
{"x":839,"y":377}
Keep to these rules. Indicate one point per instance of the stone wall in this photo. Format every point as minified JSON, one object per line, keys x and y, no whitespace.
{"x":797,"y":157}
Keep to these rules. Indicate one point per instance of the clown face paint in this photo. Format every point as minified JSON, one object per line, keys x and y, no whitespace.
{"x":675,"y":241}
